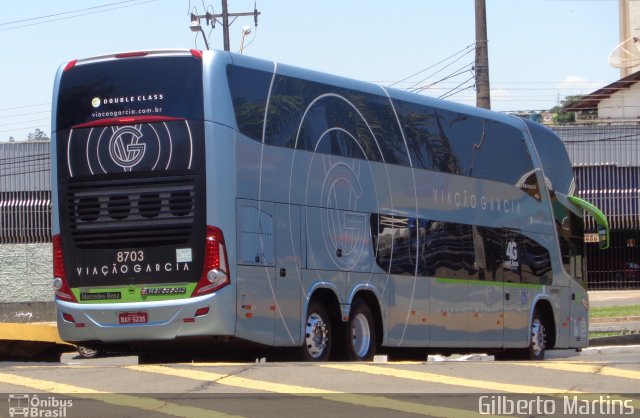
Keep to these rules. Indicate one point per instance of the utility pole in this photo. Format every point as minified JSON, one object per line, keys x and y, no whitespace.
{"x":483,"y":96}
{"x":225,"y":15}
{"x":225,"y":25}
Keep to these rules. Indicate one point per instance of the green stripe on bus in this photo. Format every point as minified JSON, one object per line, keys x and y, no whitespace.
{"x":489,"y":283}
{"x":134,"y":293}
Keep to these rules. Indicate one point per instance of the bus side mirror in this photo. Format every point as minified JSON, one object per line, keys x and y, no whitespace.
{"x":603,"y":238}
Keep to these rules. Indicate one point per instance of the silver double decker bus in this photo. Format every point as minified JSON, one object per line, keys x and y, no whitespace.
{"x":218,"y":197}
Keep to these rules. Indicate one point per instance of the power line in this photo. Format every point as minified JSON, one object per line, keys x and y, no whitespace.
{"x":22,"y":129}
{"x":24,"y":107}
{"x":441,"y":69}
{"x":465,"y":50}
{"x":63,"y":13}
{"x":75,"y":15}
{"x":24,"y":121}
{"x":24,"y":114}
{"x":457,"y":72}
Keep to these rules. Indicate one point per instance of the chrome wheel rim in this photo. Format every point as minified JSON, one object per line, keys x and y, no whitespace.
{"x":538,"y":337}
{"x":316,"y":336}
{"x":360,"y":335}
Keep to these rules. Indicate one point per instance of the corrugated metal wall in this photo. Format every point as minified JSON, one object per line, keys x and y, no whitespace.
{"x":25,"y":192}
{"x":606,"y":161}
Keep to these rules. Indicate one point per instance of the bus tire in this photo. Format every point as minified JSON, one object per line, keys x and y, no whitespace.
{"x":361,"y":332}
{"x":318,"y":334}
{"x":538,"y":340}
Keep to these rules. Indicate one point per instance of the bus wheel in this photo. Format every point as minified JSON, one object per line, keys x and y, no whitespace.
{"x":361,"y":332}
{"x":538,"y":342}
{"x":317,"y":340}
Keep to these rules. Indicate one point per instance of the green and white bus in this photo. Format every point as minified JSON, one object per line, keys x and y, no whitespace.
{"x":218,"y":197}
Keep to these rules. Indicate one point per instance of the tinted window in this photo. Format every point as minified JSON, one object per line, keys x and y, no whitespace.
{"x":525,"y":261}
{"x":449,"y":251}
{"x":394,"y":240}
{"x":426,"y":140}
{"x":318,"y":117}
{"x":466,"y":145}
{"x":457,"y":251}
{"x":249,"y":92}
{"x":150,"y":86}
{"x":553,"y":158}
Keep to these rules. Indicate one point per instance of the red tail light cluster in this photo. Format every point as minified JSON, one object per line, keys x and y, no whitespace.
{"x":215,"y":272}
{"x":60,"y":284}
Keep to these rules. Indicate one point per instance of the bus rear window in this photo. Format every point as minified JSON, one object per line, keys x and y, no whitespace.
{"x":149,"y":86}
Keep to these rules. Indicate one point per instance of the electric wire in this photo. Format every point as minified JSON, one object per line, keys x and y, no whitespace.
{"x":76,"y":15}
{"x":64,"y":13}
{"x":431,"y":66}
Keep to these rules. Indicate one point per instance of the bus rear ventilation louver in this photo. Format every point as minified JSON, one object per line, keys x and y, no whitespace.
{"x":138,"y":214}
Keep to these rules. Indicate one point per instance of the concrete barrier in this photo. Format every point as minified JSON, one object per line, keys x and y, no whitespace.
{"x":33,"y":341}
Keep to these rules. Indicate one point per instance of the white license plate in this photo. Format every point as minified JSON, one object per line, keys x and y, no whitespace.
{"x":133,"y":317}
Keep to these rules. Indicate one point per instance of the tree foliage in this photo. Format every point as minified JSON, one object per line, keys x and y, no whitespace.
{"x":562,"y":116}
{"x":37,"y":135}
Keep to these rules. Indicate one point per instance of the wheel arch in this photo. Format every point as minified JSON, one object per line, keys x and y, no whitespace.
{"x":328,"y":298}
{"x":544,"y":308}
{"x":369,"y":297}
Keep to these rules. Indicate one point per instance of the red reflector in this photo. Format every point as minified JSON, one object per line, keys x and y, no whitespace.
{"x":196,"y":53}
{"x":132,"y":54}
{"x":126,"y":121}
{"x":202,"y":311}
{"x":189,"y":320}
{"x":68,"y":317}
{"x":70,"y":65}
{"x":80,"y":325}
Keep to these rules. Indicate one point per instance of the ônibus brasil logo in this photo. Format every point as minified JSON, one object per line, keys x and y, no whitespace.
{"x":24,"y":405}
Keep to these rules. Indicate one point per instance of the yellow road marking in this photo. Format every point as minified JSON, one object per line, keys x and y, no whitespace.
{"x":586,"y":368}
{"x":147,"y":404}
{"x":370,"y":401}
{"x":446,"y":380}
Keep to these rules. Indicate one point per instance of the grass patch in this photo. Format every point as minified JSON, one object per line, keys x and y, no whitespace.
{"x":600,"y":334}
{"x":614,"y":311}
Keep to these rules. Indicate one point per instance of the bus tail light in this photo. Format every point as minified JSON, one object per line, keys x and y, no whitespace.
{"x":70,"y":65}
{"x":215,"y":272}
{"x":60,"y":285}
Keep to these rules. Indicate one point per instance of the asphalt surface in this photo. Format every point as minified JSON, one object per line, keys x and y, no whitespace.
{"x":599,"y":298}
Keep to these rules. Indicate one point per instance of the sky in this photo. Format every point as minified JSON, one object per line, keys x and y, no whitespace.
{"x":540,"y":51}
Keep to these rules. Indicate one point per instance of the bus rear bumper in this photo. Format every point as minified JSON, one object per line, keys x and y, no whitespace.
{"x":148,"y":321}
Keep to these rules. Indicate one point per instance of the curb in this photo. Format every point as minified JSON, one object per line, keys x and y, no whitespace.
{"x":32,"y":341}
{"x":30,"y":331}
{"x":613,"y":319}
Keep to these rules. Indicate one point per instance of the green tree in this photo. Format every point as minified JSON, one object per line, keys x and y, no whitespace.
{"x":37,"y":135}
{"x":560,"y":114}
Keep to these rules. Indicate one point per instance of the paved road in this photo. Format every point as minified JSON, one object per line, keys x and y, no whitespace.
{"x":614,"y":297}
{"x":118,"y":386}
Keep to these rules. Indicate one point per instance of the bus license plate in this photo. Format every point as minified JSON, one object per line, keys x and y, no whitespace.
{"x":133,"y":317}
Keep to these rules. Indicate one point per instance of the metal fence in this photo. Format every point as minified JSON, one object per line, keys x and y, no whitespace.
{"x":25,"y":193}
{"x":606,"y":160}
